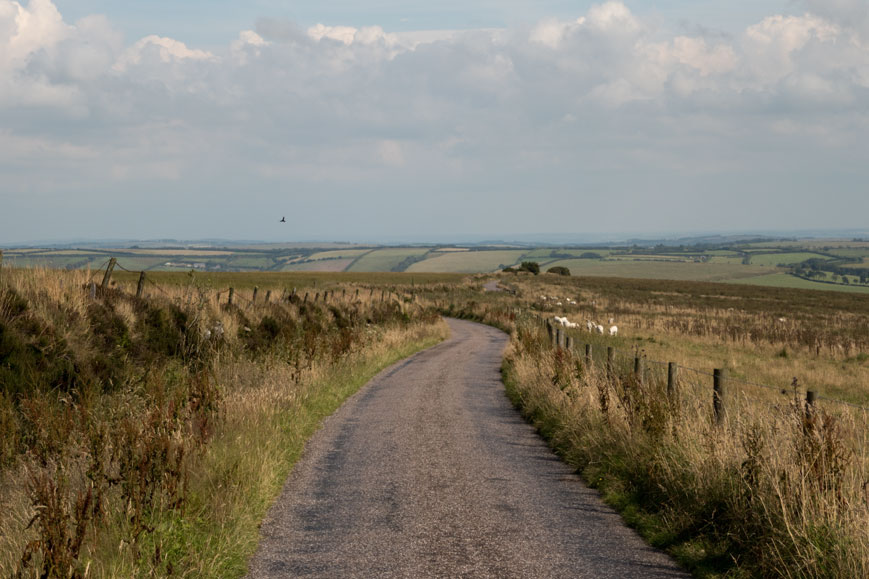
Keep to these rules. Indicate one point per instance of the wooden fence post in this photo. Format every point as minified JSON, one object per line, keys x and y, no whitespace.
{"x":550,"y":331}
{"x":140,"y":287}
{"x":638,"y":368}
{"x":570,"y":343}
{"x":671,"y":378}
{"x":93,"y":290}
{"x":719,"y":385}
{"x":610,"y":368}
{"x":304,"y":301}
{"x":231,"y":294}
{"x":255,"y":291}
{"x":588,"y":355}
{"x":559,"y":338}
{"x":810,"y":404}
{"x":108,"y":276}
{"x":268,"y":295}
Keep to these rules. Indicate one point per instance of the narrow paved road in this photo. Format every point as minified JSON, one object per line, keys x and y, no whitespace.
{"x":430,"y":472}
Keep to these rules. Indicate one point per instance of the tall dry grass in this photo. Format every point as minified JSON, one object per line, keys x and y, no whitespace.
{"x":147,"y":437}
{"x":776,"y":489}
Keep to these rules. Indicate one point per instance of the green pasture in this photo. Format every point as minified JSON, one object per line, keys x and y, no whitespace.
{"x":851,"y":252}
{"x":789,"y":281}
{"x":687,"y":271}
{"x":386,"y":259}
{"x":735,"y":259}
{"x":721,"y":252}
{"x":784,"y":258}
{"x":146,"y":263}
{"x":53,"y":261}
{"x":339,"y":254}
{"x":469,"y":261}
{"x":813,"y":244}
{"x":320,"y":265}
{"x":649,"y":257}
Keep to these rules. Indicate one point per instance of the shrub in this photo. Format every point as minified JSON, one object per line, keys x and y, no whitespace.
{"x":531,"y":266}
{"x":558,"y":270}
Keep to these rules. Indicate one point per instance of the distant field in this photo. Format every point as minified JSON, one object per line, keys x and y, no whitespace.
{"x":851,"y":252}
{"x":725,"y":259}
{"x":662,"y":269}
{"x":172,"y":252}
{"x":468,"y":262}
{"x":339,"y":253}
{"x":784,"y":258}
{"x":813,"y":244}
{"x":722,"y":252}
{"x":320,"y":265}
{"x":697,"y":263}
{"x":639,"y":257}
{"x":386,"y":259}
{"x":789,"y":281}
{"x":79,"y":261}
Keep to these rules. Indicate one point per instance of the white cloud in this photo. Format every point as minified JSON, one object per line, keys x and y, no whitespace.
{"x":24,"y":30}
{"x":604,"y":93}
{"x":155,"y":48}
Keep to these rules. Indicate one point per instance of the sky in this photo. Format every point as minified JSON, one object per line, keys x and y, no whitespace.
{"x":383,"y":121}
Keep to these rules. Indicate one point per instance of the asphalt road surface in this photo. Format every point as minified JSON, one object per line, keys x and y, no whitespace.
{"x":428,"y":471}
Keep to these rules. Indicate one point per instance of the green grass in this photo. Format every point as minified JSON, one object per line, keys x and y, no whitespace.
{"x":725,"y":259}
{"x":784,"y":258}
{"x":233,"y":468}
{"x":386,"y":259}
{"x":789,"y":281}
{"x":722,"y":252}
{"x":468,"y":261}
{"x":335,"y":265}
{"x":661,"y":270}
{"x":339,"y":254}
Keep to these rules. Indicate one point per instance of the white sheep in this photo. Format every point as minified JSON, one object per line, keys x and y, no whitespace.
{"x":614,"y":330}
{"x":590,"y":325}
{"x":558,"y":304}
{"x":571,"y":325}
{"x":599,"y":329}
{"x":612,"y":321}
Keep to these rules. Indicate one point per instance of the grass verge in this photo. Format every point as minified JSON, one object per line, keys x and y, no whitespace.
{"x":267,"y":421}
{"x":767,"y":492}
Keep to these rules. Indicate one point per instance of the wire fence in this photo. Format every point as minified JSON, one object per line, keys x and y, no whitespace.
{"x":687,"y":380}
{"x":232,"y":296}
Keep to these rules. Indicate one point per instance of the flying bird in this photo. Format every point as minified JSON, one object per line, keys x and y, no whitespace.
{"x":283,"y":220}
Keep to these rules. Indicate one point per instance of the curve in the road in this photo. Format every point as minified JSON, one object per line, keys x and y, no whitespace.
{"x":430,"y":472}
